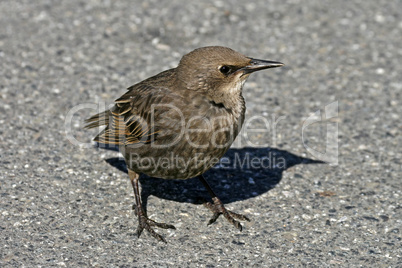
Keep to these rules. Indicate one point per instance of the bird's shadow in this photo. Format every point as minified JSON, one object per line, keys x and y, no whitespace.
{"x":241,"y":174}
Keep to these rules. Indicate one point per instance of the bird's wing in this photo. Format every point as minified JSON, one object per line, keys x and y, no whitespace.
{"x":132,"y":119}
{"x":128,"y":121}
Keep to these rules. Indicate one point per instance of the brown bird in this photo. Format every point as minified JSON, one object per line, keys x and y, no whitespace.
{"x":179,"y":123}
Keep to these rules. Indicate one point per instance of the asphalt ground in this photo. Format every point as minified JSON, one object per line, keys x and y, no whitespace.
{"x":65,"y":202}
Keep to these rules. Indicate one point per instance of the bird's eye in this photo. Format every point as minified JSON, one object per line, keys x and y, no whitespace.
{"x":225,"y":69}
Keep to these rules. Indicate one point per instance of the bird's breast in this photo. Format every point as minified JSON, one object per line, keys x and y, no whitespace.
{"x":191,"y":139}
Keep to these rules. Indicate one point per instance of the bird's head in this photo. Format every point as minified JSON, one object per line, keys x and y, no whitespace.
{"x":220,"y":72}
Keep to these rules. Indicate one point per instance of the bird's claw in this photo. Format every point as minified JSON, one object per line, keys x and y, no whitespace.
{"x":145,"y":223}
{"x":218,"y":209}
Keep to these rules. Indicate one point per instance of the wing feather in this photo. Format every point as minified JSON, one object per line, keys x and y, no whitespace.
{"x":129,"y":120}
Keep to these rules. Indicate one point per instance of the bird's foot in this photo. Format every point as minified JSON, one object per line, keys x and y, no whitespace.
{"x":218,"y":209}
{"x":145,"y":223}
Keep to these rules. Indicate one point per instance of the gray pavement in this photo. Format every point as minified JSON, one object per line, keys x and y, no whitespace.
{"x":64,"y":202}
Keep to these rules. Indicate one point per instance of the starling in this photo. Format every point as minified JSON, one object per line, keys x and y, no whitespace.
{"x":180,"y":122}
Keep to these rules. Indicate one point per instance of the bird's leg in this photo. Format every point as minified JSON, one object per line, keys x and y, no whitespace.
{"x":143,"y":221}
{"x":218,"y":208}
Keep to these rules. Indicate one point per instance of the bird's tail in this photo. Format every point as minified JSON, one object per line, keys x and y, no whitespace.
{"x":120,"y":131}
{"x":114,"y":131}
{"x":98,"y":120}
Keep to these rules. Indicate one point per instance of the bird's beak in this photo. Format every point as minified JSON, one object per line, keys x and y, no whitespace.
{"x":256,"y":65}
